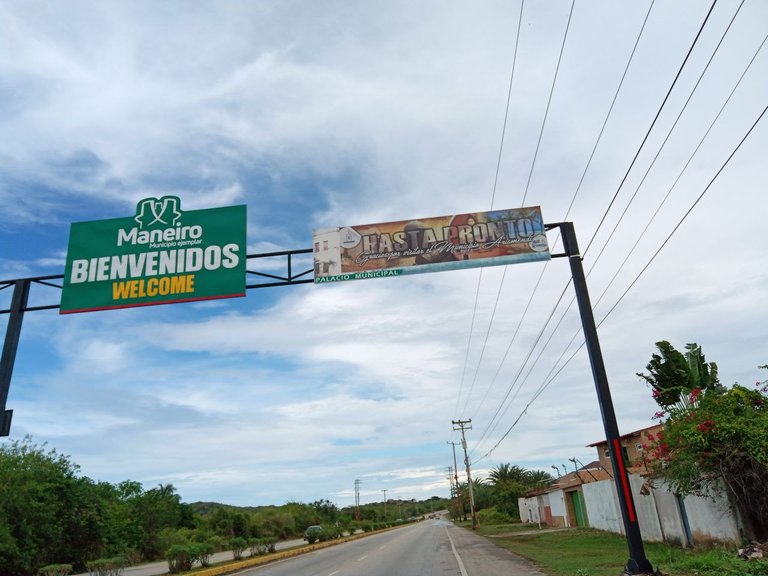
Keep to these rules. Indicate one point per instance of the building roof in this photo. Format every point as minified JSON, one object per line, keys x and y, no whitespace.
{"x":625,"y":436}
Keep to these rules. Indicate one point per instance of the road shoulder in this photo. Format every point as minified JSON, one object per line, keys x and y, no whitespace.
{"x":481,"y":557}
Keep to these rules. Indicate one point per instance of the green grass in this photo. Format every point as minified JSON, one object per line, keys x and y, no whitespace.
{"x":588,"y":552}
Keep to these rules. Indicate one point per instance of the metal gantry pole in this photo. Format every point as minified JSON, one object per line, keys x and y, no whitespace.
{"x":638,"y":563}
{"x":20,"y":297}
{"x":11,"y":344}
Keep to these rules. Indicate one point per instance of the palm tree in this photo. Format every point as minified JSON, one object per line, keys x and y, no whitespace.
{"x":539,"y":479}
{"x":506,"y":474}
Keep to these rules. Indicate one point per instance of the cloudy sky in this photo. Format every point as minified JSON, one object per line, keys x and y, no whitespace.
{"x":328,"y":113}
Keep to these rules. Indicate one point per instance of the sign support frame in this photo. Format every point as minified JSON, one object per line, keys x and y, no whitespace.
{"x":637,"y":563}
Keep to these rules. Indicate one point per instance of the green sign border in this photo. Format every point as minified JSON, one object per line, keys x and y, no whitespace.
{"x":162,"y":255}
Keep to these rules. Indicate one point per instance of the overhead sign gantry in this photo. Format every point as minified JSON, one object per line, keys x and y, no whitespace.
{"x":138,"y":261}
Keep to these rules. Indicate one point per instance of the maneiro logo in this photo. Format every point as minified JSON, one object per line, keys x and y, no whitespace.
{"x":160,"y":226}
{"x":164,"y":212}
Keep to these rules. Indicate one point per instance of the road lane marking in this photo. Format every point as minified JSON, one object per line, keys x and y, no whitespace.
{"x":455,"y":553}
{"x":382,"y":547}
{"x":362,"y":558}
{"x":334,"y":572}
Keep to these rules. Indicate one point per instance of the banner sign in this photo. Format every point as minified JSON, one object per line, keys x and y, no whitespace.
{"x":430,"y":245}
{"x":159,"y":256}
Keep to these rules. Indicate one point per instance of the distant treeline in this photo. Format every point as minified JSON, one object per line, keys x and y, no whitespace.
{"x":51,"y":515}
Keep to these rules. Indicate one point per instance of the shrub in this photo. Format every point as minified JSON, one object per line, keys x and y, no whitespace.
{"x":269,"y":542}
{"x":493,"y":517}
{"x":202,"y":552}
{"x":55,"y":570}
{"x":238,"y":545}
{"x":106,"y":566}
{"x":180,"y":558}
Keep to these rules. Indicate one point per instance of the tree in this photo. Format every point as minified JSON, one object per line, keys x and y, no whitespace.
{"x":711,"y":434}
{"x":510,"y":482}
{"x":47,"y":513}
{"x":675,"y":376}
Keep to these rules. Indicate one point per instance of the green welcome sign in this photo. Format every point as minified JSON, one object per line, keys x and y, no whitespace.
{"x":161,"y":255}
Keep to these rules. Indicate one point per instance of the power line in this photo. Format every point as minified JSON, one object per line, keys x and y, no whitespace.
{"x":648,"y":133}
{"x":666,"y":139}
{"x":573,"y":199}
{"x":682,"y":171}
{"x":690,"y":159}
{"x":546,"y":383}
{"x":658,"y":113}
{"x":493,"y":197}
{"x":533,"y":164}
{"x":549,"y":101}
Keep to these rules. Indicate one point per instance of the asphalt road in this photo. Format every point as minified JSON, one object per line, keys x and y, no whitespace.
{"x":430,"y":548}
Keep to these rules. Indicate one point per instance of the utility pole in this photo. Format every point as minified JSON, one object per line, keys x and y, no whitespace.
{"x":385,"y":506}
{"x":357,"y":500}
{"x":453,"y":493}
{"x":459,"y":503}
{"x":461,"y":426}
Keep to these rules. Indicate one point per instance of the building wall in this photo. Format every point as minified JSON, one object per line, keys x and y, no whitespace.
{"x":603,"y":506}
{"x":633,"y":442}
{"x":711,"y":519}
{"x":670,"y":519}
{"x":529,"y":510}
{"x":647,"y":514}
{"x":559,"y":508}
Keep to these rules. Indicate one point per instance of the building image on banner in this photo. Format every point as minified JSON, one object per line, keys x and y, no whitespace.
{"x":430,"y":244}
{"x":161,"y":255}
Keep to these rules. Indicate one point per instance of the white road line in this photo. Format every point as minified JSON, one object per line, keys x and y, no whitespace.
{"x":455,"y":553}
{"x":334,"y":572}
{"x":382,"y":547}
{"x":362,"y":558}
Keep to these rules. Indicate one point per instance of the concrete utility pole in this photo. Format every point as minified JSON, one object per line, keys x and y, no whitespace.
{"x":459,"y":503}
{"x":461,"y":426}
{"x":453,"y":492}
{"x":357,"y":500}
{"x":385,"y":505}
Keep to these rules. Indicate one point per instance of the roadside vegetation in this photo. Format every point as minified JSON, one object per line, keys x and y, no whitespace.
{"x":589,"y":552}
{"x":712,"y":434}
{"x":53,"y":521}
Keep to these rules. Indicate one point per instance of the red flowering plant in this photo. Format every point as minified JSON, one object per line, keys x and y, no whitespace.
{"x":712,"y":434}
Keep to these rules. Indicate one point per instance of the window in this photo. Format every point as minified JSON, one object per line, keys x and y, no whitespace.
{"x":317,"y":246}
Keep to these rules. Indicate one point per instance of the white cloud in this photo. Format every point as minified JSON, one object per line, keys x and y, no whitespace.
{"x":325,"y":115}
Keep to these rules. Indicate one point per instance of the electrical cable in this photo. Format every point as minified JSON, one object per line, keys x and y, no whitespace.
{"x":546,"y":383}
{"x":658,"y":113}
{"x":493,"y":197}
{"x":648,"y":133}
{"x":533,"y":164}
{"x":549,"y":101}
{"x":573,"y":199}
{"x":680,"y":174}
{"x":666,"y":139}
